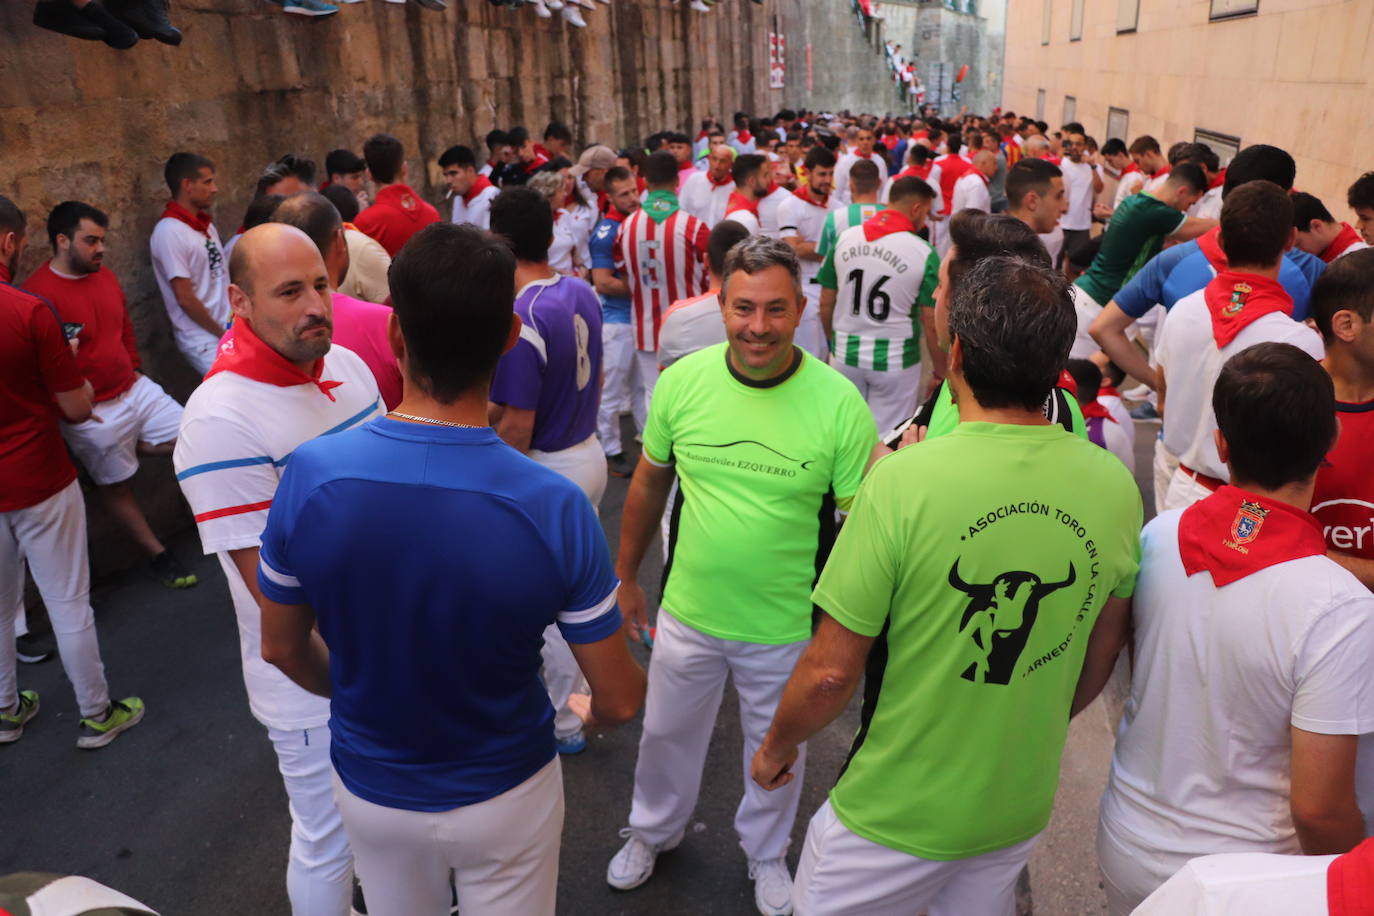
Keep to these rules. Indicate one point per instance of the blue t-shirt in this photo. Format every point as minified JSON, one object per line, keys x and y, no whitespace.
{"x":614,"y":309}
{"x":555,"y":368}
{"x":434,"y":559}
{"x":1183,"y":270}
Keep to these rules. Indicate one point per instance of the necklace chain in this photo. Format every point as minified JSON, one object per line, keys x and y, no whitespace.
{"x":434,"y":422}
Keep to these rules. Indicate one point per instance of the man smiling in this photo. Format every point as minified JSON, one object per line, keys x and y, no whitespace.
{"x":758,"y":430}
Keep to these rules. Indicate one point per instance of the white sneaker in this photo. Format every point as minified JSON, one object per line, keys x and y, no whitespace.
{"x":541,"y":9}
{"x":573,"y":17}
{"x":634,"y":863}
{"x":700,"y":7}
{"x":555,"y":5}
{"x":772,"y":886}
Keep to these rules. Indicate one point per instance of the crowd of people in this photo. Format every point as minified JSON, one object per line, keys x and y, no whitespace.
{"x":877,"y":368}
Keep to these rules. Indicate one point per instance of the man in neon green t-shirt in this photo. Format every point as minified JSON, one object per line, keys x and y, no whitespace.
{"x":767,"y":442}
{"x":985,"y":578}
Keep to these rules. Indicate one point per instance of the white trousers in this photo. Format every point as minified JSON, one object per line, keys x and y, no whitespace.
{"x":1130,"y":873}
{"x":52,"y":536}
{"x":891,"y":395}
{"x":622,"y":386}
{"x":844,"y":874}
{"x":1164,"y":466}
{"x":687,"y":674}
{"x":199,"y":352}
{"x":646,"y":362}
{"x":502,"y":853}
{"x":810,"y":335}
{"x":319,"y":872}
{"x":1183,"y":491}
{"x":584,"y":464}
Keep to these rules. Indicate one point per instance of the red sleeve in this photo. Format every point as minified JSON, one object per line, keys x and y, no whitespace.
{"x":56,"y":363}
{"x":702,"y":240}
{"x":130,"y":339}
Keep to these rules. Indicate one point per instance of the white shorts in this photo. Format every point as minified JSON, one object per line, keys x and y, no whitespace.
{"x":107,"y":449}
{"x":891,"y":395}
{"x":1184,"y":490}
{"x":844,"y":874}
{"x":584,"y":464}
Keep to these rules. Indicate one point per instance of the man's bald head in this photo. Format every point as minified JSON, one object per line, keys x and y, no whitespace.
{"x":985,"y":161}
{"x":316,"y":216}
{"x":1037,"y":147}
{"x":278,"y":284}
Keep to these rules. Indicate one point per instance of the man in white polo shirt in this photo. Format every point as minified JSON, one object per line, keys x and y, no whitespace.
{"x":861,"y":150}
{"x":1251,"y":679}
{"x":1082,"y":180}
{"x":275,"y":384}
{"x":1242,"y":306}
{"x":188,"y":260}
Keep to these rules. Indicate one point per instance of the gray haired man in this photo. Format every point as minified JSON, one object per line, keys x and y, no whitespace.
{"x":767,"y":442}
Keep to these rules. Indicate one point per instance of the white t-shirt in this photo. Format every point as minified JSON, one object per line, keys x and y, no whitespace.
{"x":1253,"y":884}
{"x":1131,"y":183}
{"x":1185,"y":347}
{"x":690,"y":325}
{"x":971,"y":192}
{"x":768,"y":211}
{"x":805,"y":220}
{"x":1078,"y":189}
{"x":1117,"y":408}
{"x":1054,"y":243}
{"x":842,"y":173}
{"x":236,"y":436}
{"x":746,"y":219}
{"x":180,"y":251}
{"x":1204,"y":753}
{"x":1119,"y":442}
{"x":476,"y":211}
{"x":704,"y":200}
{"x":564,"y":247}
{"x":1087,"y":308}
{"x":1208,"y":206}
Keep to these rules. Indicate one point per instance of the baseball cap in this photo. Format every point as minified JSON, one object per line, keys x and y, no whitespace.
{"x":594,"y":157}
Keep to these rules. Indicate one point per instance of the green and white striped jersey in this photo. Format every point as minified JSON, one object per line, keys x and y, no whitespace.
{"x":837,"y":221}
{"x":879,"y":287}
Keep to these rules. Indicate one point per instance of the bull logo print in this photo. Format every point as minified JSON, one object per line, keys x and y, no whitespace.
{"x":998,"y":620}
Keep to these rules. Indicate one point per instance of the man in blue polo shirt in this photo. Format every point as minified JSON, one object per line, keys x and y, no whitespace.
{"x":1184,"y":269}
{"x":433,"y":557}
{"x":623,"y":386}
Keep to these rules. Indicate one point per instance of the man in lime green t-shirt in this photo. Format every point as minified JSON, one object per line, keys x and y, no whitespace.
{"x":984,"y":577}
{"x":767,"y":442}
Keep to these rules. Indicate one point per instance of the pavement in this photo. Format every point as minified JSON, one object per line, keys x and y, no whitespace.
{"x":186,"y":812}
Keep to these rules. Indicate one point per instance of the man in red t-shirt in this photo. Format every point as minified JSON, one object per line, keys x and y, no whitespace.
{"x":42,"y":514}
{"x":132,"y":416}
{"x":398,"y":212}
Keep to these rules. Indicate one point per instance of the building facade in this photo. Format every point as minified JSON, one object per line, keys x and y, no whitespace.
{"x":1292,"y":73}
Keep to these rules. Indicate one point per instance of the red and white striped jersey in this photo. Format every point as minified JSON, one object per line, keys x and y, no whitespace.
{"x":662,"y":263}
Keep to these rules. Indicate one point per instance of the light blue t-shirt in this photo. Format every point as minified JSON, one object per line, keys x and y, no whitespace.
{"x":614,"y":309}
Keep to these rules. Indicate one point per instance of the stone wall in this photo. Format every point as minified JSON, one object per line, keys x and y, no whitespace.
{"x":848,"y":68}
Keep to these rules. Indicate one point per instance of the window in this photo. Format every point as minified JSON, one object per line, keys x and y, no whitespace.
{"x":1227,"y":9}
{"x":1224,"y":145}
{"x":1045,"y":25}
{"x":1127,"y":15}
{"x":1040,"y":105}
{"x":1070,"y":109}
{"x":1118,"y":120}
{"x":1076,"y":21}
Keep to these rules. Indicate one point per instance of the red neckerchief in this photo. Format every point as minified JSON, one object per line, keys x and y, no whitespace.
{"x":1210,"y":245}
{"x":1350,"y":882}
{"x":1131,"y":169}
{"x":478,"y":186}
{"x":351,"y":226}
{"x":399,"y":197}
{"x":863,"y":155}
{"x":701,"y":136}
{"x":738,"y":201}
{"x":804,"y":192}
{"x":744,"y":136}
{"x":1218,"y":181}
{"x":1233,"y":533}
{"x":721,"y":183}
{"x":243,"y":353}
{"x":1163,"y":170}
{"x":772,"y":186}
{"x":1343,"y":240}
{"x":685,"y":166}
{"x":534,"y":165}
{"x":603,"y":202}
{"x":197,"y":221}
{"x":614,"y":215}
{"x":886,"y":222}
{"x":1237,"y":299}
{"x":1055,"y":160}
{"x":1108,"y":391}
{"x":917,"y":171}
{"x":1067,"y":383}
{"x":1095,"y":409}
{"x":542,"y":150}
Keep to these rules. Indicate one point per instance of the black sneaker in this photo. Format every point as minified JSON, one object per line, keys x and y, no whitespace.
{"x":619,"y":466}
{"x":148,"y":18}
{"x":117,"y":34}
{"x":61,"y":17}
{"x":32,"y":649}
{"x":170,"y":572}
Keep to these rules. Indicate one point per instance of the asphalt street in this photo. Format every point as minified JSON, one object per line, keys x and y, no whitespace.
{"x":186,"y":812}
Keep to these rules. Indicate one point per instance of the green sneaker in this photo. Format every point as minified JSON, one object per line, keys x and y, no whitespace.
{"x":12,"y":724}
{"x":123,"y":715}
{"x":170,"y":571}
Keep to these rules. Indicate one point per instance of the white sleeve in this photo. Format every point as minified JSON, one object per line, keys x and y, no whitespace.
{"x":171,"y":253}
{"x":1334,"y":680}
{"x":933,"y":179}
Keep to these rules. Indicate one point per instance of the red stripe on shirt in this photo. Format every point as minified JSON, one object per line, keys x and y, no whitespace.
{"x":670,"y":237}
{"x":628,"y":232}
{"x":655,"y":307}
{"x":233,"y":510}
